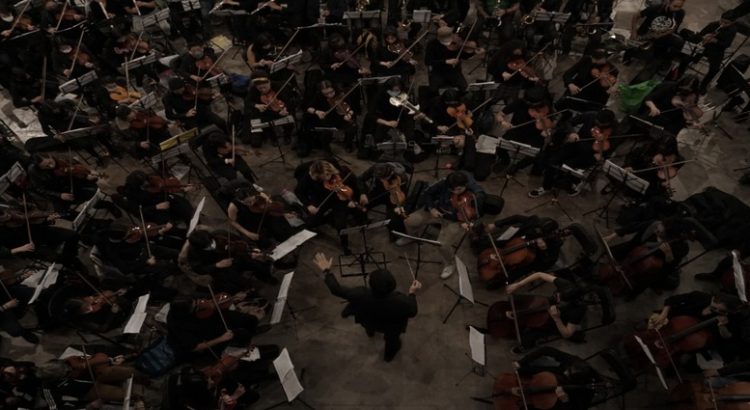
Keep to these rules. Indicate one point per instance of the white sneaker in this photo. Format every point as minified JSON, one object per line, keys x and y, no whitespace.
{"x":447,"y":271}
{"x":537,"y":192}
{"x":403,"y":241}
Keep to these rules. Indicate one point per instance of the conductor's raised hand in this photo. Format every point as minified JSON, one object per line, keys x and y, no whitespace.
{"x":323,"y":262}
{"x":415,"y":286}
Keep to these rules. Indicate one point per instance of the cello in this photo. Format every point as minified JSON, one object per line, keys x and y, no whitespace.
{"x":702,"y":396}
{"x":531,"y":312}
{"x":512,"y":392}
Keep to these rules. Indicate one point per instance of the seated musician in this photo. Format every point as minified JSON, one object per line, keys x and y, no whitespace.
{"x":13,"y":308}
{"x":378,"y":309}
{"x":444,"y":62}
{"x":566,"y":309}
{"x":158,"y":204}
{"x":326,"y":206}
{"x":327,"y":110}
{"x":589,"y":82}
{"x":438,"y":208}
{"x":594,"y":148}
{"x":529,"y":125}
{"x":63,"y":184}
{"x":376,"y":182}
{"x":261,"y":53}
{"x":505,"y":11}
{"x":670,"y":239}
{"x":672,"y":105}
{"x":263,"y":103}
{"x":223,"y":159}
{"x":68,"y":63}
{"x":658,"y":25}
{"x":24,"y":92}
{"x":545,"y":29}
{"x":98,"y":312}
{"x":180,"y":105}
{"x":569,"y":370}
{"x":210,"y":254}
{"x":258,"y":217}
{"x":715,"y":38}
{"x":546,"y":247}
{"x":196,"y":390}
{"x":18,"y":383}
{"x":587,"y":19}
{"x":195,"y":329}
{"x":138,"y":132}
{"x":384,"y":54}
{"x":188,"y":66}
{"x":7,"y":18}
{"x":389,"y":117}
{"x":339,"y":65}
{"x":51,"y":17}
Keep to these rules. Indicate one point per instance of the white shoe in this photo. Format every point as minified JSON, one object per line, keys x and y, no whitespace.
{"x":403,"y":241}
{"x":447,"y":271}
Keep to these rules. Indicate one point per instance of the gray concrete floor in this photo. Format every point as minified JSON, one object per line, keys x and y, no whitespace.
{"x":343,"y":369}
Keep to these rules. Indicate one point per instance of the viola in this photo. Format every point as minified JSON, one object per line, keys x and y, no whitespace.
{"x":698,"y":396}
{"x":464,"y":205}
{"x":607,"y":75}
{"x":342,"y":107}
{"x":271,"y":100}
{"x":145,"y":119}
{"x":681,"y":335}
{"x":156,"y":184}
{"x":122,"y":94}
{"x":136,"y":232}
{"x":336,"y":184}
{"x":542,"y":122}
{"x":463,"y":118}
{"x":64,"y":169}
{"x":531,"y":313}
{"x":539,"y":391}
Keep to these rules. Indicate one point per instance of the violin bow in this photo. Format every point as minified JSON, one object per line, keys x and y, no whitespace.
{"x":408,"y":263}
{"x":473,"y":110}
{"x":137,"y":9}
{"x":94,"y":288}
{"x":343,"y":98}
{"x":526,"y":63}
{"x":60,"y":19}
{"x":408,"y":49}
{"x":671,"y":361}
{"x":354,"y":53}
{"x":537,"y":119}
{"x":138,"y":41}
{"x":218,"y":309}
{"x":90,"y":370}
{"x":520,"y":386}
{"x":510,"y":295}
{"x":145,"y":232}
{"x":406,"y":98}
{"x":18,"y":19}
{"x":223,"y":53}
{"x":333,"y":191}
{"x":283,"y":86}
{"x":44,"y":77}
{"x":75,"y":55}
{"x":26,"y":215}
{"x":463,"y":44}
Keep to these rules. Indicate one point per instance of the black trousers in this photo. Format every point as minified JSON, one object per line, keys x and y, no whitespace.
{"x":230,"y":172}
{"x":453,"y":78}
{"x":179,"y":210}
{"x":43,"y":235}
{"x":9,"y":318}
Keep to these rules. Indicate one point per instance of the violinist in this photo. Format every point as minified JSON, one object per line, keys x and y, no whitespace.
{"x":62,"y":183}
{"x":329,"y":111}
{"x":227,"y":260}
{"x":387,"y":183}
{"x":224,"y":159}
{"x":339,"y":64}
{"x":443,"y":56}
{"x":391,"y":122}
{"x":18,"y":383}
{"x":566,"y":309}
{"x":505,"y":12}
{"x":142,"y":130}
{"x":157,"y":198}
{"x":8,"y":17}
{"x":578,"y":150}
{"x":331,"y":194}
{"x":456,"y":198}
{"x":384,"y":55}
{"x":181,"y":104}
{"x":261,"y":54}
{"x":52,"y":13}
{"x":380,"y":308}
{"x":449,"y":115}
{"x":531,"y":124}
{"x":666,"y":244}
{"x":258,"y":217}
{"x":24,"y":92}
{"x":69,"y":63}
{"x":264,"y":103}
{"x":592,"y":79}
{"x":569,"y":370}
{"x":715,"y":38}
{"x":510,"y":67}
{"x":98,"y":311}
{"x":14,"y":304}
{"x":191,"y":62}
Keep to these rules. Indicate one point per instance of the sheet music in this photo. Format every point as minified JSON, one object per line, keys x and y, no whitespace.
{"x":291,"y":244}
{"x":476,"y":343}
{"x":49,"y":279}
{"x":196,"y":216}
{"x":512,"y":230}
{"x":278,"y":309}
{"x":135,"y":323}
{"x":464,"y":285}
{"x":293,"y":220}
{"x":285,"y":283}
{"x":285,"y":370}
{"x":161,"y":315}
{"x":280,"y":304}
{"x":242,"y":353}
{"x":487,"y":144}
{"x":70,"y":352}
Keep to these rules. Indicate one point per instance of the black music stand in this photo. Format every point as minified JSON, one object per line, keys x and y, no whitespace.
{"x":625,"y":178}
{"x":327,"y":143}
{"x":465,"y":292}
{"x":280,"y":158}
{"x":518,"y":150}
{"x":366,"y":256}
{"x":420,"y":242}
{"x":438,"y":142}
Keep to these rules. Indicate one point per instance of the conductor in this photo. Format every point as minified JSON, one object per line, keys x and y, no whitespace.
{"x":378,"y":308}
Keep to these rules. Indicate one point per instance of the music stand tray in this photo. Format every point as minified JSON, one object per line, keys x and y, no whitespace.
{"x":367,"y":256}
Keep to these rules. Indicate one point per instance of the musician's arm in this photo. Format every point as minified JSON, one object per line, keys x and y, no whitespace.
{"x":570,"y":74}
{"x":335,"y":287}
{"x":232,"y":212}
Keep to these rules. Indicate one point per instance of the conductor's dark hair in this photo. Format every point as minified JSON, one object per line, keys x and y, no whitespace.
{"x":456,"y":179}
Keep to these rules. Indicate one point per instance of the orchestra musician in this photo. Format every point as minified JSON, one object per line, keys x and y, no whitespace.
{"x":379,"y":308}
{"x":225,"y":159}
{"x":14,"y":305}
{"x":157,"y":198}
{"x":455,"y":202}
{"x":259,"y":218}
{"x":387,"y":183}
{"x":191,"y":106}
{"x":99,"y":311}
{"x":714,"y":38}
{"x":264,"y":103}
{"x":339,"y":64}
{"x":330,"y":194}
{"x":328,"y":109}
{"x":443,"y":56}
{"x":141,"y":130}
{"x":384,"y":54}
{"x":590,"y":19}
{"x":591,"y":81}
{"x":63,"y":183}
{"x":531,"y":27}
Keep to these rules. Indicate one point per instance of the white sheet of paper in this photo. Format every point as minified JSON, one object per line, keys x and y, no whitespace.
{"x":661,"y":378}
{"x":69,"y":352}
{"x":476,"y":342}
{"x":487,"y":144}
{"x":739,"y":277}
{"x":507,"y":234}
{"x":161,"y":315}
{"x":464,"y":285}
{"x":291,"y":244}
{"x":243,"y":354}
{"x":34,"y":279}
{"x":278,"y":310}
{"x":49,"y":279}
{"x":294,"y":220}
{"x":196,"y":216}
{"x":285,"y":283}
{"x":283,"y":364}
{"x":128,"y":393}
{"x":135,"y":323}
{"x":142,"y":303}
{"x":292,"y":386}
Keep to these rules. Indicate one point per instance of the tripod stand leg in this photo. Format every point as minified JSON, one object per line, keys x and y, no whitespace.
{"x":450,"y":312}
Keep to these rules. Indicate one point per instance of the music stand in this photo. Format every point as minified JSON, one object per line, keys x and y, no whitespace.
{"x":392,"y":148}
{"x":147,"y":101}
{"x":478,"y":354}
{"x":483,"y":87}
{"x":16,"y":171}
{"x":142,"y":23}
{"x":286,"y":62}
{"x":518,"y":149}
{"x":367,"y":255}
{"x":552,"y":16}
{"x":465,"y":292}
{"x":82,"y":217}
{"x":138,"y":62}
{"x":625,"y":178}
{"x":440,"y":142}
{"x":76,"y":83}
{"x":420,"y":241}
{"x":327,"y":144}
{"x":289,"y":381}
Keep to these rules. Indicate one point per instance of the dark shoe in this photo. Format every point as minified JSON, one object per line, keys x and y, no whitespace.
{"x":537,"y":192}
{"x":573,"y":190}
{"x":706,"y":276}
{"x":30,"y":337}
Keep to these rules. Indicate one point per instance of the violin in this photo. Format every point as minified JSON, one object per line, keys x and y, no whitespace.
{"x":130,"y":43}
{"x":207,"y":65}
{"x":463,"y":118}
{"x":542,"y":122}
{"x":156,"y":184}
{"x":200,"y":93}
{"x":521,"y":67}
{"x":145,"y":119}
{"x":98,"y":301}
{"x":206,"y":307}
{"x":699,"y":396}
{"x":136,"y":232}
{"x":123,"y":95}
{"x":239,"y":247}
{"x":601,"y":139}
{"x":515,"y":253}
{"x":396,"y":196}
{"x":464,"y":205}
{"x":224,"y":365}
{"x":265,"y":205}
{"x":539,"y":391}
{"x":531,"y":313}
{"x":344,"y":56}
{"x":667,"y":171}
{"x":607,"y":75}
{"x":271,"y":100}
{"x":13,"y":218}
{"x":681,"y":335}
{"x":342,"y":107}
{"x":79,"y":365}
{"x":64,"y":169}
{"x":469,"y":46}
{"x":336,"y":184}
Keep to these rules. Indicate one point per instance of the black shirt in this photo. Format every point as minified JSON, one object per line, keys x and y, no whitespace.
{"x":688,"y":304}
{"x":659,"y":18}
